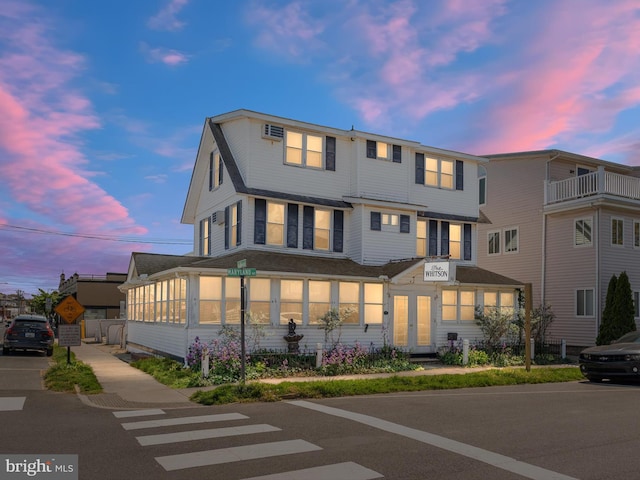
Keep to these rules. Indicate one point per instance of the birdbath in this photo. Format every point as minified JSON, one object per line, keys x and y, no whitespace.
{"x":292,"y":338}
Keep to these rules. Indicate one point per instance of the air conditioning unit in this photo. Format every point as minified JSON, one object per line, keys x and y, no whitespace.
{"x":273,"y":132}
{"x":218,"y":217}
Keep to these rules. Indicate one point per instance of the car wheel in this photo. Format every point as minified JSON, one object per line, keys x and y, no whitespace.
{"x":593,"y":379}
{"x":49,"y":352}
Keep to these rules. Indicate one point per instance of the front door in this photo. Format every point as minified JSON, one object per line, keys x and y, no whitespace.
{"x":412,"y":322}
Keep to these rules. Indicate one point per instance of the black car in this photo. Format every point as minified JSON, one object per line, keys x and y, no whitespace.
{"x":28,"y":332}
{"x":618,"y":360}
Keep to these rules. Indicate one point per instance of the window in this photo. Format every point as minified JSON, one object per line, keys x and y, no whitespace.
{"x":458,"y":305}
{"x":455,"y":241}
{"x":303,"y":149}
{"x":384,"y":151}
{"x":636,"y":234}
{"x":210,"y":300}
{"x":583,"y":232}
{"x":421,"y":238}
{"x":501,"y":301}
{"x":322,"y":229}
{"x":373,"y":303}
{"x":493,"y":243}
{"x":617,"y":231}
{"x":171,"y":297}
{"x":438,"y":173}
{"x":232,"y":300}
{"x":275,"y":223}
{"x":215,"y":170}
{"x":319,"y":300}
{"x":389,"y":219}
{"x":349,"y":299}
{"x":291,"y":297}
{"x":584,"y":303}
{"x":482,"y":185}
{"x":205,"y":236}
{"x":511,"y":240}
{"x":260,"y":299}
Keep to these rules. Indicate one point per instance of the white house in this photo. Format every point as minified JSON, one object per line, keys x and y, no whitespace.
{"x":328,"y":218}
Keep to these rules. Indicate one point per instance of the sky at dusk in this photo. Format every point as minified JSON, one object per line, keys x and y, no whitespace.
{"x":102,"y":104}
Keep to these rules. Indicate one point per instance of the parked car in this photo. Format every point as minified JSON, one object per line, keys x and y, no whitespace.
{"x":28,"y":332}
{"x":618,"y":360}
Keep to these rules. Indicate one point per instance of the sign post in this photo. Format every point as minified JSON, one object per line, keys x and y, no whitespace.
{"x":69,"y":335}
{"x":242,"y":271}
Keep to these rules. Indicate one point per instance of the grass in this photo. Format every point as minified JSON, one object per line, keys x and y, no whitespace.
{"x":63,"y":377}
{"x":168,"y":372}
{"x":262,"y":392}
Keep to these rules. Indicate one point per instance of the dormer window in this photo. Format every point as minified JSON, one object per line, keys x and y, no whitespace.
{"x":384,"y":151}
{"x":303,"y":149}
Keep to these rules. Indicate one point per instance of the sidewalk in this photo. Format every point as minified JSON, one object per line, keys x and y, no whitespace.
{"x":126,"y":387}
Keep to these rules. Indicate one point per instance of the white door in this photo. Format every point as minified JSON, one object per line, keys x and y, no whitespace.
{"x":412,"y":322}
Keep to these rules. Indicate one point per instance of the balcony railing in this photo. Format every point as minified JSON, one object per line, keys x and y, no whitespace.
{"x":594,"y":183}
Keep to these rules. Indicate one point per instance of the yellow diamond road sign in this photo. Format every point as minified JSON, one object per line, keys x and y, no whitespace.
{"x":69,"y":309}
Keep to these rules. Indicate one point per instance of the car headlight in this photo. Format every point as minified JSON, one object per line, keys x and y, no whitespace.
{"x":632,"y":357}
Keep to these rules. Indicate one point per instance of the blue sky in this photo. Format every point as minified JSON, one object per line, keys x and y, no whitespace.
{"x":102,"y":103}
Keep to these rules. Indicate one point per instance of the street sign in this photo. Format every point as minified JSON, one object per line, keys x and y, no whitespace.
{"x":241,"y":272}
{"x":69,"y":309}
{"x":242,"y":263}
{"x":69,"y":336}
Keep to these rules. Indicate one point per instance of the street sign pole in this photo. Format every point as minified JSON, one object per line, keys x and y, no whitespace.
{"x":242,"y":347}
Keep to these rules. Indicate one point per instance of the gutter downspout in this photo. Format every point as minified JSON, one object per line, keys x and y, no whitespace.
{"x":598,"y":280}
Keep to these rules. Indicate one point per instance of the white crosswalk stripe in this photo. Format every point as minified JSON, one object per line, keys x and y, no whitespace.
{"x":8,"y":404}
{"x":219,"y":456}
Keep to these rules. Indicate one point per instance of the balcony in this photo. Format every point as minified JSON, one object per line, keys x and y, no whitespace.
{"x":592,"y":184}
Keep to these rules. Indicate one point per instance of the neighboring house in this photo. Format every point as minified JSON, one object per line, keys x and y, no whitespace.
{"x":329,"y":218}
{"x":565,"y":223}
{"x":98,"y":294}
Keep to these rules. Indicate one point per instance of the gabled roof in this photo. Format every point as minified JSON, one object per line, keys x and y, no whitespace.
{"x":275,"y":262}
{"x":554,"y":153}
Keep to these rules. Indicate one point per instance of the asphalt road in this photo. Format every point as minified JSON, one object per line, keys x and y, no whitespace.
{"x":563,"y":431}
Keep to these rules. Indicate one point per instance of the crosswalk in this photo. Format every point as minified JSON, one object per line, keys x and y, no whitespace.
{"x":147,"y":427}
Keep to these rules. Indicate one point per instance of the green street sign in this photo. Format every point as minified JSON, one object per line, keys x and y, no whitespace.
{"x":241,"y":272}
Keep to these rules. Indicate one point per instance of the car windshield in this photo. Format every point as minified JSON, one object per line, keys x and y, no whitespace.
{"x":631,"y":337}
{"x":30,"y":321}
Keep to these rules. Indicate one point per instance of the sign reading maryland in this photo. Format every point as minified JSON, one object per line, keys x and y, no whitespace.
{"x":69,"y":309}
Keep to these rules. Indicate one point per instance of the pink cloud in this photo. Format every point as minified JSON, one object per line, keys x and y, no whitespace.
{"x":166,"y":18}
{"x":167,"y":56}
{"x":576,"y":75}
{"x":43,"y":167}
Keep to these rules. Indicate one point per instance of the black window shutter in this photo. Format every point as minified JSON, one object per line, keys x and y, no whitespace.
{"x":226,"y":228}
{"x":330,"y":156}
{"x":307,"y":227}
{"x":459,"y":175}
{"x":467,"y":241}
{"x":292,"y":225}
{"x":372,"y":150}
{"x":338,"y":226}
{"x":397,"y":154}
{"x":211,"y":171}
{"x":444,"y":238}
{"x":260,"y":222}
{"x":220,"y":170}
{"x":405,"y":224}
{"x":420,"y":168}
{"x":376,"y":221}
{"x":239,"y":227}
{"x":433,"y":238}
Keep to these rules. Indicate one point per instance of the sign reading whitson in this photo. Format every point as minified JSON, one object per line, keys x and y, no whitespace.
{"x":436,"y":271}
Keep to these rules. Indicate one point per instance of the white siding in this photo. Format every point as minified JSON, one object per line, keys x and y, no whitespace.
{"x":161,"y":338}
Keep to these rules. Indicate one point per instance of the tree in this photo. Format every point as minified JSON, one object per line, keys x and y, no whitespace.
{"x":39,"y":301}
{"x":619,"y":311}
{"x":606,"y":331}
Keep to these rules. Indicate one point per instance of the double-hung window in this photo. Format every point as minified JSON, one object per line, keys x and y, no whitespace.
{"x":275,"y":223}
{"x":373,"y":302}
{"x":210,"y":300}
{"x":205,"y":236}
{"x":291,"y":299}
{"x":384,"y":151}
{"x":319,"y":300}
{"x":215,"y":170}
{"x":349,"y":299}
{"x":458,"y":305}
{"x":511,"y":240}
{"x":421,"y":238}
{"x":438,"y":173}
{"x":322,"y":229}
{"x":304,"y":149}
{"x":617,"y":231}
{"x":583,"y":228}
{"x":493,"y":243}
{"x":260,"y":299}
{"x":584,"y":302}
